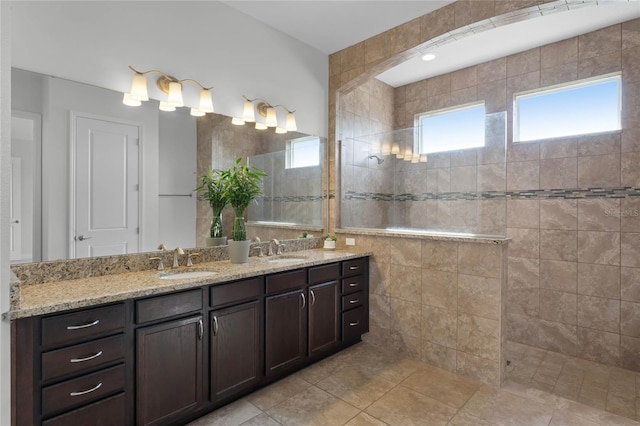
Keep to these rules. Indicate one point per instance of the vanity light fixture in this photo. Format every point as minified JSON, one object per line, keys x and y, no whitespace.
{"x":268,"y":111}
{"x":169,"y":85}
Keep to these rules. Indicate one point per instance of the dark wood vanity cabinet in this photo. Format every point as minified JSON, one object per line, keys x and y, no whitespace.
{"x":167,"y":359}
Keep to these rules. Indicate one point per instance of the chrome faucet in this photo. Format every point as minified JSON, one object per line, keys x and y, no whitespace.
{"x":177,"y":252}
{"x":190,"y":257}
{"x":277,"y":244}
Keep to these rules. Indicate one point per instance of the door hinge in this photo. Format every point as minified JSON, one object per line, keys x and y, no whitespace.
{"x":137,"y":187}
{"x":137,"y":230}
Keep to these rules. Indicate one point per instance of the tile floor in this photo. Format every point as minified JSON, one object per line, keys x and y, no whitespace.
{"x":613,"y":389}
{"x":364,"y":385}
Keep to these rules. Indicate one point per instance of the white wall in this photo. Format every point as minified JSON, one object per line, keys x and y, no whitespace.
{"x":177,"y":214}
{"x":95,"y":41}
{"x":5,"y":159}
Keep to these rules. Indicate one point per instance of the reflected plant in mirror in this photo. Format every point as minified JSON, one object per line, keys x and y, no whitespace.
{"x":212,"y":190}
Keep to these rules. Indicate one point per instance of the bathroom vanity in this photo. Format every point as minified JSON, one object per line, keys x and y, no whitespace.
{"x":159,"y":353}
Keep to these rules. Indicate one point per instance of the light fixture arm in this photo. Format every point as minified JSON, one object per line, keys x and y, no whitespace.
{"x":163,"y":82}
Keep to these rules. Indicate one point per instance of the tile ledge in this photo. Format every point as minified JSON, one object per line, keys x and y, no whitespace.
{"x":426,"y":235}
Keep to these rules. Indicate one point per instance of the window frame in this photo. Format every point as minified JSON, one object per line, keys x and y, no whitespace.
{"x":419,"y":142}
{"x":289,"y":152}
{"x":557,"y":88}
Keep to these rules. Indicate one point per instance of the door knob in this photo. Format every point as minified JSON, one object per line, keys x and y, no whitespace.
{"x":82,"y":238}
{"x":15,"y":221}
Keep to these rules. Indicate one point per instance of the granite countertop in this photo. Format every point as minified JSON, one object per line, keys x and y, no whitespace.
{"x":56,"y":296}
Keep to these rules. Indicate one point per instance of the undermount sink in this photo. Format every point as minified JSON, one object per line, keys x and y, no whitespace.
{"x":287,"y":259}
{"x":180,"y":275}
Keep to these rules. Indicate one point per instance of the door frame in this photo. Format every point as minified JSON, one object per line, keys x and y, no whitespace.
{"x":73,"y":119}
{"x":36,"y":252}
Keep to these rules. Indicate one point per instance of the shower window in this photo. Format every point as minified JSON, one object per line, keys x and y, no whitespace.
{"x":303,"y":152}
{"x":451,"y":129}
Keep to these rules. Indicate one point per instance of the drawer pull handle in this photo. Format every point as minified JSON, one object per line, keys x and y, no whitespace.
{"x":313,"y":298}
{"x":215,"y":325}
{"x":354,"y":301}
{"x":95,"y":388}
{"x":77,"y":327}
{"x":353,"y":324}
{"x":304,"y":301}
{"x":353,"y":268}
{"x":89,"y":358}
{"x":353,"y":284}
{"x":200,"y":330}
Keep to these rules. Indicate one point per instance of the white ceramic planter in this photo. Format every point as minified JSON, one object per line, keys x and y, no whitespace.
{"x":239,"y":251}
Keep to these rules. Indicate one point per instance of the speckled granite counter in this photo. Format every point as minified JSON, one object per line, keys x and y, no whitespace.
{"x":44,"y":298}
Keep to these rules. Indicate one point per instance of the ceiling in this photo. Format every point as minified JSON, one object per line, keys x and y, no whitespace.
{"x":330,"y":26}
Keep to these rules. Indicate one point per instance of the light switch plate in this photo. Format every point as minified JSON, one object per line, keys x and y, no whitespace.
{"x":350,"y":241}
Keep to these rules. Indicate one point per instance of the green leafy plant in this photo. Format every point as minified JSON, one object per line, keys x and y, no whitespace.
{"x":243,"y":184}
{"x":212,"y":189}
{"x":330,"y":237}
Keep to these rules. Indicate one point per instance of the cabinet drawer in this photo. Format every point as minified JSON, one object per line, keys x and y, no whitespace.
{"x":234,"y":292}
{"x":168,"y":306}
{"x":353,"y":284}
{"x":354,"y":323}
{"x":354,"y":267}
{"x":78,"y":326}
{"x":83,"y":356}
{"x":73,"y":393}
{"x":108,"y":412}
{"x":352,"y":300}
{"x":324,"y":273}
{"x":286,"y":281}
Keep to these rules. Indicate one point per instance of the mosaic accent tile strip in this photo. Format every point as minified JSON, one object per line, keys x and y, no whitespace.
{"x":293,"y":198}
{"x":573,"y":193}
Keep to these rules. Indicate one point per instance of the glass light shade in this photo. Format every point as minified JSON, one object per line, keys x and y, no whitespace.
{"x":237,"y":121}
{"x":415,"y":158}
{"x":281,"y":130}
{"x":407,"y":154}
{"x":261,"y":126}
{"x":395,"y":149}
{"x":128,"y":100}
{"x":139,"y":88}
{"x":248,"y":114}
{"x":206,"y":103}
{"x":272,"y":119}
{"x":291,"y":122}
{"x":164,"y":106}
{"x":197,"y":113}
{"x":386,"y":148}
{"x":175,"y":94}
{"x":423,"y":158}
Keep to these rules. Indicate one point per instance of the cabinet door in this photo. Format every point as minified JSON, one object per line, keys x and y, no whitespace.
{"x":235,"y":349}
{"x":168,"y":370}
{"x":324,"y":317}
{"x":285,"y":330}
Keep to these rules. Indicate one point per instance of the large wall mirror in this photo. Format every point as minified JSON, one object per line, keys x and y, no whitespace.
{"x":75,"y":195}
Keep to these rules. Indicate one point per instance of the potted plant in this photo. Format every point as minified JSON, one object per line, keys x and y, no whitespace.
{"x":330,"y":242}
{"x":242,"y":184}
{"x":212,"y":190}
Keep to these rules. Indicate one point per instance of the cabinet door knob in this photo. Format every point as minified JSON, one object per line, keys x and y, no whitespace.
{"x":94,"y":356}
{"x":77,"y":327}
{"x":304,"y":301}
{"x":95,"y":388}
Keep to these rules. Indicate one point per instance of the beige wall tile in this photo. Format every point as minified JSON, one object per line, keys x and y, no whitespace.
{"x":558,"y":148}
{"x":523,"y":301}
{"x":478,"y":368}
{"x":558,"y":306}
{"x":479,"y":296}
{"x":559,"y":173}
{"x":599,"y":247}
{"x":379,"y":278}
{"x":524,"y":62}
{"x":630,"y":284}
{"x":630,"y":140}
{"x":438,"y":356}
{"x":559,"y":214}
{"x":464,"y":78}
{"x":599,"y":214}
{"x":406,"y":252}
{"x":523,"y":273}
{"x":464,"y":179}
{"x":479,"y":259}
{"x":491,"y":177}
{"x":380,"y":311}
{"x":599,"y":280}
{"x":479,"y":336}
{"x":440,"y":289}
{"x":491,"y":71}
{"x":629,"y":169}
{"x":630,"y":215}
{"x":559,"y":74}
{"x":523,"y":213}
{"x":439,"y":85}
{"x":599,"y":346}
{"x":598,"y":313}
{"x":630,"y":34}
{"x":523,"y":175}
{"x":406,"y":283}
{"x":559,"y":245}
{"x":528,"y":151}
{"x":406,"y":317}
{"x":599,"y":171}
{"x":630,"y":318}
{"x":524,"y":242}
{"x":631,"y":64}
{"x":439,"y":326}
{"x":494,"y":94}
{"x":559,"y":53}
{"x":440,"y":255}
{"x":629,"y":350}
{"x":559,"y":275}
{"x":600,"y":42}
{"x":599,"y":65}
{"x":599,"y":144}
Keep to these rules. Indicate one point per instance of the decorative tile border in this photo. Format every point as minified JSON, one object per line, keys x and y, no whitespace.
{"x":293,"y":198}
{"x":568,"y":194}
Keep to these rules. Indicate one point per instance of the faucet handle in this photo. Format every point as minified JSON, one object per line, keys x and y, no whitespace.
{"x":160,"y":262}
{"x":260,"y":251}
{"x":190,"y":256}
{"x":280,"y":249}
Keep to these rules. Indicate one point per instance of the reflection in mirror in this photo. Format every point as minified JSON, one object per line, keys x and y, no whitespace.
{"x":168,"y":163}
{"x":293,"y":186}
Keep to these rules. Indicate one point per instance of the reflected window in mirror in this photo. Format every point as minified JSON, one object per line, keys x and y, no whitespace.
{"x":303,"y":152}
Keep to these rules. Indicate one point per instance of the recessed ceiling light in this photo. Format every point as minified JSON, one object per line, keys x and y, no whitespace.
{"x":428,"y":57}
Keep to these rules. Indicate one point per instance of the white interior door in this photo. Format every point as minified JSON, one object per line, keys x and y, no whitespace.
{"x":15,"y":206}
{"x":106,"y":191}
